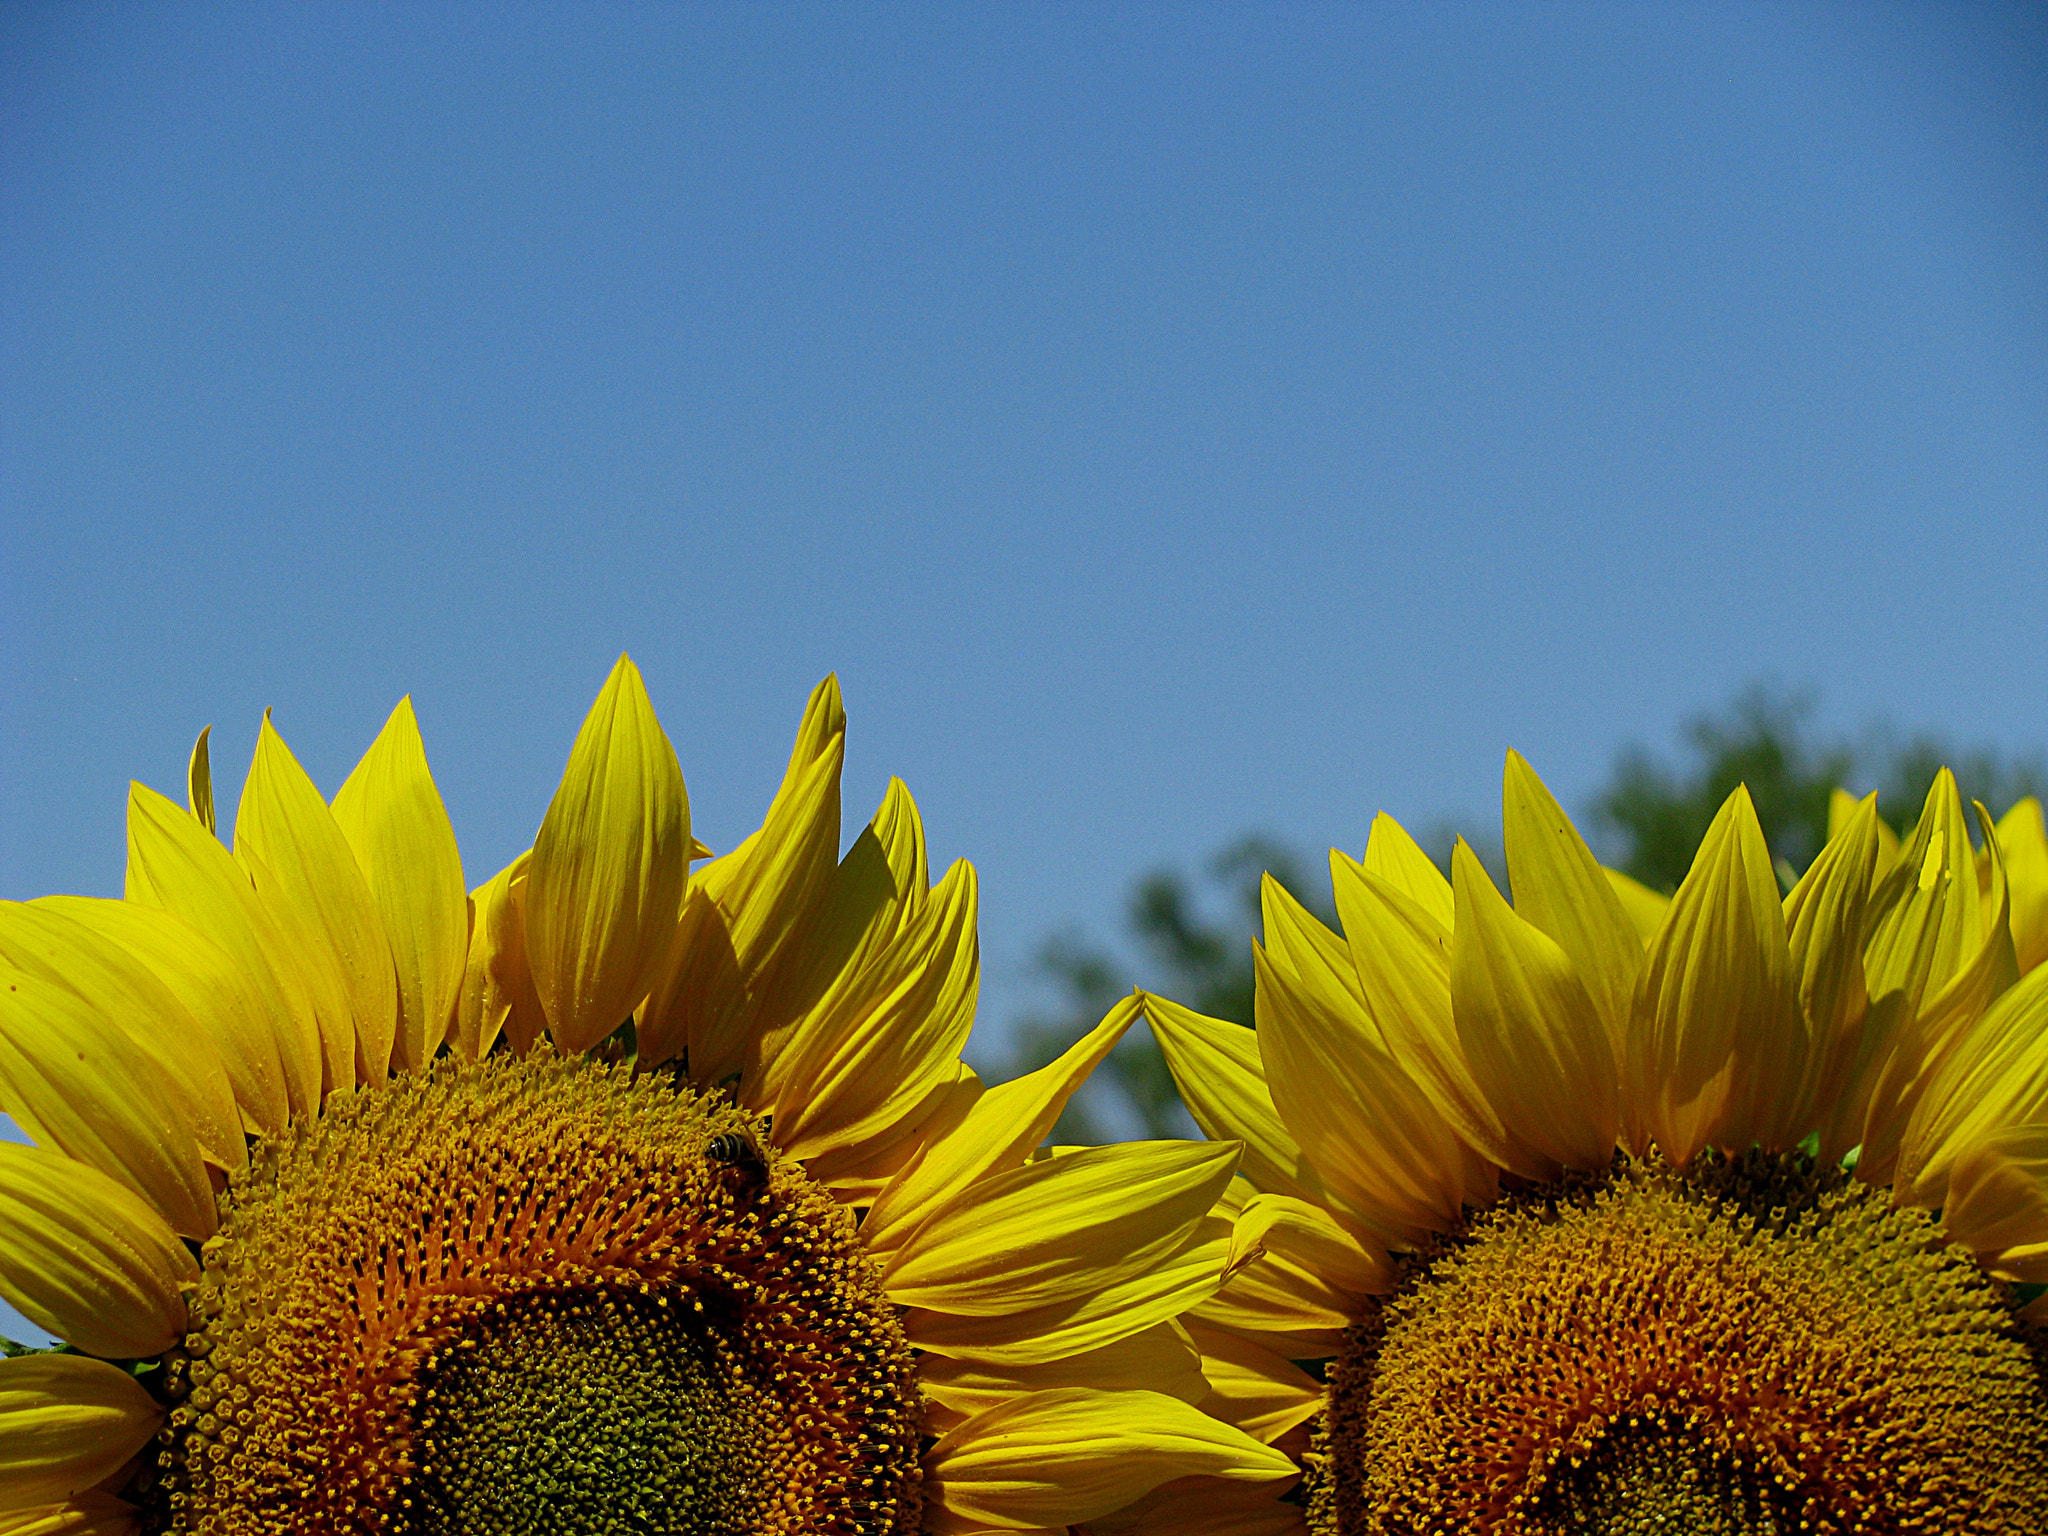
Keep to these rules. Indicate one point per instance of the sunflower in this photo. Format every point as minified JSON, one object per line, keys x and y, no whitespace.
{"x":1615,"y":1214}
{"x":611,"y":1197}
{"x":2022,"y":849}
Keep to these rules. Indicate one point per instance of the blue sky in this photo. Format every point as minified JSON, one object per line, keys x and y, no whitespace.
{"x":1167,"y":420}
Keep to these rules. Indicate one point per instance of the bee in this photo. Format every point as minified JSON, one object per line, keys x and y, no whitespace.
{"x":740,"y":1152}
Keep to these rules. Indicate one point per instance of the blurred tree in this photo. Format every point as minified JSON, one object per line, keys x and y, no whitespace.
{"x":1657,"y":815}
{"x":1651,"y":816}
{"x":1193,"y":940}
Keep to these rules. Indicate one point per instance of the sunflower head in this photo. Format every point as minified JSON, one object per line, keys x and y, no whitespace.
{"x":1619,"y":1212}
{"x":612,"y":1196}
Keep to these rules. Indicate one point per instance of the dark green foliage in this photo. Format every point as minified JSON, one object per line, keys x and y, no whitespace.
{"x":1654,"y":815}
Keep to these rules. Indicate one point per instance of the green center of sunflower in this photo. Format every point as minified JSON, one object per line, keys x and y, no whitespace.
{"x":605,"y":1413}
{"x":535,"y":1295}
{"x":1752,"y":1347}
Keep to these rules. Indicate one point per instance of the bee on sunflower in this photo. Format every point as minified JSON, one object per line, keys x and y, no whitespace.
{"x":611,"y":1197}
{"x":1613,"y":1213}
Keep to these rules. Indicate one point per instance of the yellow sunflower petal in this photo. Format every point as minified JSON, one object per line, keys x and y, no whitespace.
{"x":1216,"y":1066}
{"x":283,"y":830}
{"x":90,"y":1514}
{"x":1202,"y":1506}
{"x":857,"y":1173}
{"x":1538,"y":1045}
{"x":855,"y":1071}
{"x":757,"y":906}
{"x":1931,"y":921}
{"x":1716,"y":997}
{"x":1263,"y":1393}
{"x":1646,"y":908}
{"x":1560,"y":889}
{"x":1997,"y":1196}
{"x":1299,"y":944}
{"x":1184,"y":1279}
{"x":497,"y":993}
{"x":1353,"y":1108}
{"x":1402,"y":955}
{"x":1155,"y":1359}
{"x":199,"y":781}
{"x":392,"y":816}
{"x":1070,"y":1454}
{"x":85,"y":1258}
{"x":999,"y":1133}
{"x":2023,"y":839}
{"x":701,"y":1005}
{"x":604,"y":891}
{"x":1937,"y":1012}
{"x":1996,"y":1078}
{"x":121,"y":988}
{"x":1395,"y":857}
{"x":176,"y":865}
{"x":1309,"y":1238}
{"x":1050,"y":1232}
{"x":67,"y":1422}
{"x":1825,"y":917}
{"x":224,"y":1002}
{"x":1841,"y":807}
{"x":75,"y":1082}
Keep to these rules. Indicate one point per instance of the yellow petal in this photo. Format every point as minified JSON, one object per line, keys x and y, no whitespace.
{"x":175,"y":865}
{"x":1301,"y":946}
{"x":1202,"y":1506}
{"x":850,"y":947}
{"x":1995,"y":1078}
{"x":1561,"y":889}
{"x":199,"y":782}
{"x":284,"y":831}
{"x":1825,"y":918}
{"x":1841,"y":807}
{"x":1185,"y":1278}
{"x":1362,"y":1121}
{"x":860,"y":1069}
{"x":47,"y":944}
{"x":75,"y":1083}
{"x":1216,"y":1066}
{"x":1261,"y":1392}
{"x":85,"y":1258}
{"x":90,"y":1514}
{"x":1645,"y":908}
{"x":1402,"y":955}
{"x":1537,"y":1044}
{"x":858,"y":1173}
{"x":1997,"y":1196}
{"x":1072,"y":1453}
{"x":1940,"y":1005}
{"x":1157,"y":1359}
{"x":999,"y":1133}
{"x":1395,"y":857}
{"x":1715,"y":1009}
{"x":1053,"y":1231}
{"x":1311,"y":1239}
{"x":756,"y":908}
{"x":391,"y":815}
{"x":67,"y":1422}
{"x":223,"y":1001}
{"x":2023,"y":839}
{"x":497,"y":989}
{"x":1930,"y":922}
{"x":605,"y":889}
{"x":1285,"y":1293}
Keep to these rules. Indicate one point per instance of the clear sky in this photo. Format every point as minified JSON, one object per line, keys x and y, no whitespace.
{"x":1166,"y":420}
